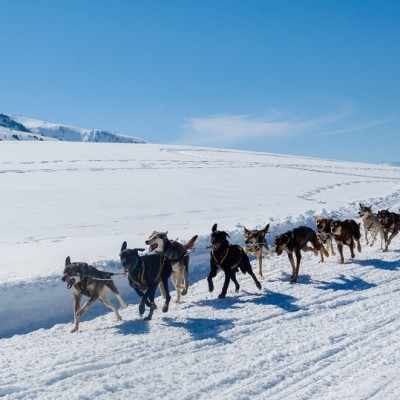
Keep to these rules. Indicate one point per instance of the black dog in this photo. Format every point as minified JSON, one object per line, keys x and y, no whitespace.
{"x":144,"y":274}
{"x":390,"y":222}
{"x":293,"y":242}
{"x":229,"y":258}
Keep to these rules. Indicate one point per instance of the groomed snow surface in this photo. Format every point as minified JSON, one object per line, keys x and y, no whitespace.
{"x":333,"y":335}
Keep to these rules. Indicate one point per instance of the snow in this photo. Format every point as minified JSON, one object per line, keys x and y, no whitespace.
{"x":333,"y":335}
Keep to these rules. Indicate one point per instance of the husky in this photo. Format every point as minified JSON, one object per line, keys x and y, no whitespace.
{"x":371,"y":224}
{"x":178,"y":256}
{"x":293,"y":242}
{"x":255,"y":244}
{"x":145,"y":273}
{"x":390,"y":222}
{"x":324,"y":236}
{"x":89,"y":281}
{"x":230,"y":258}
{"x":346,"y":232}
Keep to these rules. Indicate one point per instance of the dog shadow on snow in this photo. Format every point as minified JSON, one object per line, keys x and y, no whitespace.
{"x":211,"y":328}
{"x":203,"y":328}
{"x":267,"y":297}
{"x":353,"y":283}
{"x":380,"y":264}
{"x":134,"y":327}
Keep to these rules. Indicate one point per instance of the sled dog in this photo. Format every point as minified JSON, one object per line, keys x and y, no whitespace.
{"x":256,"y":244}
{"x":89,"y":281}
{"x":293,"y":242}
{"x":230,"y":258}
{"x":178,"y":256}
{"x":371,"y":224}
{"x":346,"y":232}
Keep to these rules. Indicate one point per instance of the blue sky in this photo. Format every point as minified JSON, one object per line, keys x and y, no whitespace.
{"x":314,"y":78}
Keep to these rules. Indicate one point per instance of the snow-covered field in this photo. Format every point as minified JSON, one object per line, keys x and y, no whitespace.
{"x":334,"y":335}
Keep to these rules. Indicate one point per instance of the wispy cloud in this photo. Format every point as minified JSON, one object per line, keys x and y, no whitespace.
{"x":230,"y":129}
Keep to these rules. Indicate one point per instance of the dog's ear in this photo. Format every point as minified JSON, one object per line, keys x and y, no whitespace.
{"x":124,"y":246}
{"x":245,"y":230}
{"x":214,"y":228}
{"x":266,"y":229}
{"x":67,"y":261}
{"x":226,"y":234}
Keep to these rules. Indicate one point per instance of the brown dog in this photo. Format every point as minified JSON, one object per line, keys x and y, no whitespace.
{"x":346,"y":232}
{"x":255,"y":244}
{"x":91,"y":282}
{"x":293,"y":242}
{"x":324,"y":236}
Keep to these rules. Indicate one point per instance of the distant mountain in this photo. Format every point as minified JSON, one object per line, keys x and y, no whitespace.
{"x":21,"y":128}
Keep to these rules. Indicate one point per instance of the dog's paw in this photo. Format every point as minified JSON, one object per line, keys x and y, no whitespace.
{"x":222,"y":296}
{"x":210,"y":287}
{"x":74,"y":329}
{"x":142,"y":308}
{"x":165,"y":308}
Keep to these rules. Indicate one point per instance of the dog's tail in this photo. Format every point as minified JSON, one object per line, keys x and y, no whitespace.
{"x":190,"y":243}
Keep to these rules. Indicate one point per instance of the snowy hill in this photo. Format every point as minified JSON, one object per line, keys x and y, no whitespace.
{"x":21,"y":128}
{"x":333,"y":335}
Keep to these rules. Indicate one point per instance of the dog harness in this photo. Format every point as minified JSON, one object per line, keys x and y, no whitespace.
{"x":175,"y":251}
{"x":221,"y":261}
{"x":136,"y":273}
{"x":260,"y":245}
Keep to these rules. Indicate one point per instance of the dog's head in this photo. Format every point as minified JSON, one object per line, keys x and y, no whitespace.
{"x":281,"y":242}
{"x":156,"y":241}
{"x":383,"y":217}
{"x":364,"y":210}
{"x":129,"y":257}
{"x":321,"y":223}
{"x":252,"y":237}
{"x":337,"y":228}
{"x":73,"y":272}
{"x":218,"y":238}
